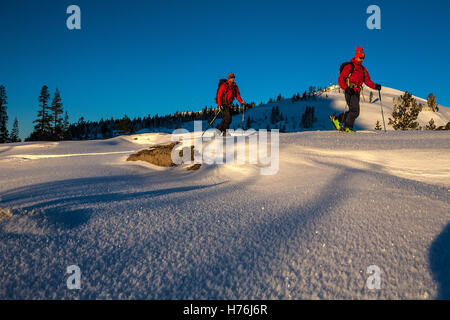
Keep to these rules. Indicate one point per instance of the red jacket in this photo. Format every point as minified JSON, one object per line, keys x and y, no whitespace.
{"x":227,"y":93}
{"x":359,"y":75}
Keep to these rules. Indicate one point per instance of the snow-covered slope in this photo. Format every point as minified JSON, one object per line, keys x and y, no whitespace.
{"x":326,"y":104}
{"x":334,"y":101}
{"x":338,"y":204}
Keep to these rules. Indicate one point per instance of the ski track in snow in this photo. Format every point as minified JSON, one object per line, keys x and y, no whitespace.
{"x":338,"y":204}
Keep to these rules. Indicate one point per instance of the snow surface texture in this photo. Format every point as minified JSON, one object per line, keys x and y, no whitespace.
{"x":338,"y":204}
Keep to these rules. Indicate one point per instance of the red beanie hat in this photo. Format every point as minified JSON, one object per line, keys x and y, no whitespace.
{"x":359,"y":52}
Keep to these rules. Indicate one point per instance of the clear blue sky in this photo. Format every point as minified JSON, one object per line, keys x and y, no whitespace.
{"x":148,"y":57}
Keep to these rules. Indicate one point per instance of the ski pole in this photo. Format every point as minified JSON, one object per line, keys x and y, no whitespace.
{"x":382,"y":113}
{"x":219,"y":109}
{"x":243,"y":113}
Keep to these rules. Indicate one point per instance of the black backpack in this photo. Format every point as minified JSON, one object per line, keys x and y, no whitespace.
{"x":353,"y":69}
{"x":221,"y":82}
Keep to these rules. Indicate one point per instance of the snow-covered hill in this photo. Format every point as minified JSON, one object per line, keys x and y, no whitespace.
{"x":327,"y":103}
{"x":334,"y":102}
{"x":338,"y":204}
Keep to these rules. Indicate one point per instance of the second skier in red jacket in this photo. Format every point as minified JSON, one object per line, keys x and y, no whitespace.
{"x":226,"y":94}
{"x":351,"y":79}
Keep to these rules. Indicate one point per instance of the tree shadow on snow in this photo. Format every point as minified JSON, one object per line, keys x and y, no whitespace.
{"x":233,"y":267}
{"x":115,"y":197}
{"x":440,"y":262}
{"x":67,"y":204}
{"x":5,"y":149}
{"x":72,"y":191}
{"x":68,"y":219}
{"x":230,"y":272}
{"x":229,"y":268}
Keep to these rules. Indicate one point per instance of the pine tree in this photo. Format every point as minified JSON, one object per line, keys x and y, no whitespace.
{"x":378,"y":125}
{"x":273,"y":116}
{"x":82,"y":131}
{"x":308,"y":118}
{"x":304,"y":95}
{"x":66,"y":127}
{"x":87,"y":130}
{"x":405,"y":113}
{"x":431,"y":125}
{"x":249,"y":123}
{"x":42,"y":129}
{"x":371,"y":97}
{"x":4,"y":136}
{"x":294,"y":98}
{"x":124,"y":125}
{"x":56,"y":111}
{"x":431,"y":101}
{"x":106,"y":131}
{"x":14,"y":137}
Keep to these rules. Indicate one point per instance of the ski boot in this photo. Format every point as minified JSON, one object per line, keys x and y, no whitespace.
{"x":347,"y":130}
{"x":336,"y":123}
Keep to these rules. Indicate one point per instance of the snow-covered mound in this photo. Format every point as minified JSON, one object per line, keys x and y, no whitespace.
{"x":338,"y":204}
{"x":333,"y":101}
{"x":325,"y":104}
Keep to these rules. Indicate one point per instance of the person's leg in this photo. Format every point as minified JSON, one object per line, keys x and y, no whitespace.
{"x":353,"y":112}
{"x":341,"y":117}
{"x":226,"y":119}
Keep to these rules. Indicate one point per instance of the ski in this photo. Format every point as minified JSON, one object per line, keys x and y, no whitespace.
{"x":338,"y":126}
{"x":335,"y":122}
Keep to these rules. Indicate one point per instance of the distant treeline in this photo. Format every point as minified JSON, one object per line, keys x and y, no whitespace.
{"x":105,"y":129}
{"x":52,"y":121}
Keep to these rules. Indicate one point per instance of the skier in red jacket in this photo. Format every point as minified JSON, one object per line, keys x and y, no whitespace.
{"x":226,"y":94}
{"x":351,"y":79}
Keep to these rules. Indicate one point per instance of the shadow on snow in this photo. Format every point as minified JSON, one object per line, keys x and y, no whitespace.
{"x":440,"y":262}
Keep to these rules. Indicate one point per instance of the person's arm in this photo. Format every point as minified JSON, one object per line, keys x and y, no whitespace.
{"x":220,"y":94}
{"x":238,"y":95}
{"x":368,"y":81}
{"x":344,"y":75}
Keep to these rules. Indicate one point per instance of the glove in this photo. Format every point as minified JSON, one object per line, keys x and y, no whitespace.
{"x":349,"y":91}
{"x":378,"y":87}
{"x":243,"y":102}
